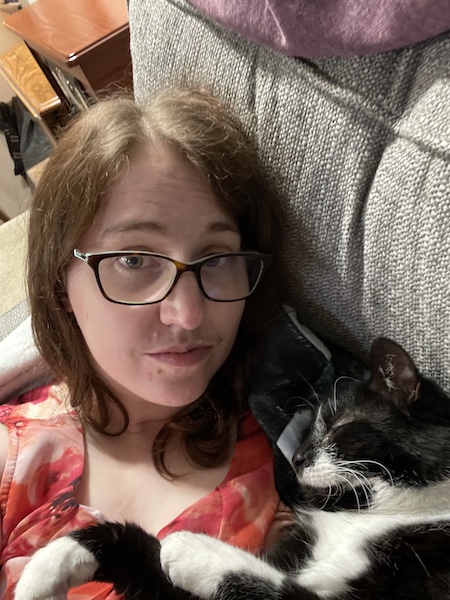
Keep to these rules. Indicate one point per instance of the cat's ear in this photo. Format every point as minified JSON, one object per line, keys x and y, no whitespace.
{"x":394,"y":374}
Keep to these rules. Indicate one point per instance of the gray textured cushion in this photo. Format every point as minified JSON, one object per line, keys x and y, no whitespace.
{"x":358,"y":149}
{"x":13,"y":318}
{"x":13,"y":305}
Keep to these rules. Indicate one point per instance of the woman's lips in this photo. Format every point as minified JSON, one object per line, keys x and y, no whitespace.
{"x":186,"y":358}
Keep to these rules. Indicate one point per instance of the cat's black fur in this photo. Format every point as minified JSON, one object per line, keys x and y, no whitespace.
{"x":129,"y":558}
{"x":372,"y":524}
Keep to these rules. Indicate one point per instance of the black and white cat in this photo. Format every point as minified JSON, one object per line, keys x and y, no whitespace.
{"x":373,"y":513}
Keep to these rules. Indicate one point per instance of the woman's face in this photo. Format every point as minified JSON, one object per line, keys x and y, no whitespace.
{"x":158,"y":357}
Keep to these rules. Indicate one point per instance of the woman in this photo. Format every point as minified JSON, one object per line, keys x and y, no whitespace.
{"x":153,"y":266}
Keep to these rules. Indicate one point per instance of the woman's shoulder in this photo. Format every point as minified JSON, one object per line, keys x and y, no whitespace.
{"x":46,"y":403}
{"x":41,"y":420}
{"x":42,"y":457}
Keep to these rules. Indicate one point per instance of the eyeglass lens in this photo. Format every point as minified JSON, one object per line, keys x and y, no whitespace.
{"x":139,"y":278}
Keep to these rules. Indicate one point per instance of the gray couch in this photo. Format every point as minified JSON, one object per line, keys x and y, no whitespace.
{"x":359,"y":152}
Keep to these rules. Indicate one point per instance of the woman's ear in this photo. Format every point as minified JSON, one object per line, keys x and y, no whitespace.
{"x":66,"y":303}
{"x":62,"y":294}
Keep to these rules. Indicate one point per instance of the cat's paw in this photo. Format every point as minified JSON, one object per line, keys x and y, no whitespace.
{"x":54,"y":569}
{"x":198,"y":563}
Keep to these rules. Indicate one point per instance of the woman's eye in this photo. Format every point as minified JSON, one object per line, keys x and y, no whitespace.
{"x":218,"y":261}
{"x":213,"y":262}
{"x":133,"y":262}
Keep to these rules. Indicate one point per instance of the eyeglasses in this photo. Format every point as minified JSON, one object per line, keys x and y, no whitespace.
{"x":135,"y":277}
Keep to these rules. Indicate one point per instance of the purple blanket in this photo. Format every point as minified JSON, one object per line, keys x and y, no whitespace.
{"x":314,"y":28}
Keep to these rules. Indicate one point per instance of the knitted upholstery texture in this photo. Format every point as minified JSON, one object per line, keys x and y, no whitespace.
{"x":358,"y":150}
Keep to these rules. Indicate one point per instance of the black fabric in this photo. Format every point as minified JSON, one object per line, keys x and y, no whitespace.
{"x":8,"y":124}
{"x":27,"y":142}
{"x":290,"y":374}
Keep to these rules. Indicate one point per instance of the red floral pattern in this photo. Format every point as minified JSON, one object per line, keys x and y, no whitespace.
{"x":45,"y":464}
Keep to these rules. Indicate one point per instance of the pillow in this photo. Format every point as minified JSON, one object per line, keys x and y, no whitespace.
{"x":330,"y":28}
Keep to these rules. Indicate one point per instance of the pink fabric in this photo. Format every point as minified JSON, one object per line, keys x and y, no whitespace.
{"x":45,"y":464}
{"x":314,"y":28}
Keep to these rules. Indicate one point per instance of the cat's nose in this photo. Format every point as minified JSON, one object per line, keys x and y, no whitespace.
{"x":299,"y":459}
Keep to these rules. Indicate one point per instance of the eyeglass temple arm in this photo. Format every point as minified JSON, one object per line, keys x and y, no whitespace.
{"x":78,"y":254}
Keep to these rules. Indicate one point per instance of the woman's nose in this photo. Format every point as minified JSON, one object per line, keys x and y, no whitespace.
{"x":185,"y":305}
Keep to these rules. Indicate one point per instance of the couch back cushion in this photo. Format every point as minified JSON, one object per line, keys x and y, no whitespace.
{"x":358,"y":150}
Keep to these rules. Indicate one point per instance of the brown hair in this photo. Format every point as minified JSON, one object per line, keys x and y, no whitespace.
{"x":89,"y":157}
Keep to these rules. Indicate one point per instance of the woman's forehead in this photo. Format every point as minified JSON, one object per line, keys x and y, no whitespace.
{"x":160,"y":193}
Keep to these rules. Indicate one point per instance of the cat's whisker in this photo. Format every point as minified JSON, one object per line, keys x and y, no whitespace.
{"x":330,"y":493}
{"x":420,"y":560}
{"x":361,"y":477}
{"x":303,"y":399}
{"x":362,"y":463}
{"x":379,"y":464}
{"x":366,"y":488}
{"x":336,"y":490}
{"x":343,"y":489}
{"x":308,"y":383}
{"x":351,"y":486}
{"x":336,"y":382}
{"x":364,"y":483}
{"x":353,"y":489}
{"x":332,"y":404}
{"x":353,"y":463}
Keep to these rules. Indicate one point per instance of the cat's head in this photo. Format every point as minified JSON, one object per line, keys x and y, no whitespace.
{"x":390,"y":431}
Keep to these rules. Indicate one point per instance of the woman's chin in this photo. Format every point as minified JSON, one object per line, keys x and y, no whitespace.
{"x":173,"y":397}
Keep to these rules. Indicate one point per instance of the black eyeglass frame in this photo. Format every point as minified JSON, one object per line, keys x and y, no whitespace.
{"x":93,"y":259}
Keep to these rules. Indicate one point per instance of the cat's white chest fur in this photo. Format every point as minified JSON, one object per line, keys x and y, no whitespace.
{"x":340,"y":553}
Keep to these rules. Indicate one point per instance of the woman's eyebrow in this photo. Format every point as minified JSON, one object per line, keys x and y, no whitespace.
{"x":135,"y":225}
{"x":160,"y":228}
{"x":219,"y":226}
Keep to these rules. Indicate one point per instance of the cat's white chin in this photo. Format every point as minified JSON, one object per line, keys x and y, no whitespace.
{"x":321,"y":474}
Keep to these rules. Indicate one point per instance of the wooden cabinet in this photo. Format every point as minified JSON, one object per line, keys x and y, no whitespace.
{"x":29,"y":83}
{"x":82,"y":45}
